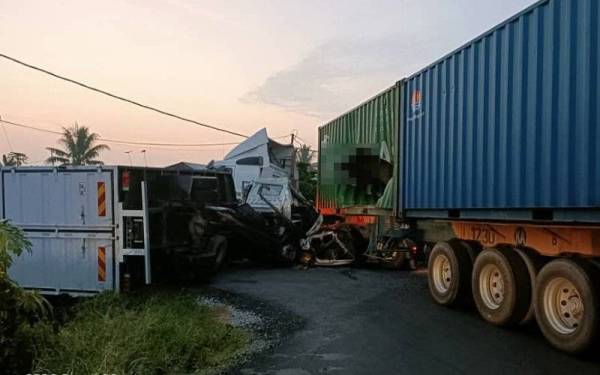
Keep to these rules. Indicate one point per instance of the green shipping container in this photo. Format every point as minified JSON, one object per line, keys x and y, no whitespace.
{"x":358,"y":156}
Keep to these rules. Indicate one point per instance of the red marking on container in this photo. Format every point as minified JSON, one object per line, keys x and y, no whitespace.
{"x":101,"y":198}
{"x":101,"y":263}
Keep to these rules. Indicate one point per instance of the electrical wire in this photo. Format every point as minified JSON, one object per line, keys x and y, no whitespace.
{"x":114,"y":96}
{"x":6,"y":136}
{"x":126,"y":142}
{"x":304,"y":141}
{"x":299,"y":143}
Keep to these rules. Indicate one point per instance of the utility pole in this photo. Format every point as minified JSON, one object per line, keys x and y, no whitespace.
{"x":145,"y":161}
{"x":130,"y":160}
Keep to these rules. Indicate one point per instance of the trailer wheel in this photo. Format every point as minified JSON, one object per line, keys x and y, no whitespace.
{"x":449,"y":272}
{"x":567,"y":304}
{"x":501,"y":286}
{"x":533,"y":264}
{"x":218,"y":245}
{"x":473,"y":248}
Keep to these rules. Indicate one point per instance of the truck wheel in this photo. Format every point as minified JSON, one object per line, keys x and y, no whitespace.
{"x":533,"y":264}
{"x":501,"y":286}
{"x":218,"y":245}
{"x":567,"y":304}
{"x":449,"y":272}
{"x":288,"y":254}
{"x":402,"y":257}
{"x":473,"y":249}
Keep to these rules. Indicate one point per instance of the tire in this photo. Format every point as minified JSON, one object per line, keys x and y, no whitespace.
{"x":449,"y":274}
{"x":534,"y":264}
{"x":501,"y":287}
{"x":567,"y":305}
{"x":218,"y":245}
{"x":403,"y":258}
{"x":398,"y":263}
{"x":288,"y":255}
{"x":473,"y":249}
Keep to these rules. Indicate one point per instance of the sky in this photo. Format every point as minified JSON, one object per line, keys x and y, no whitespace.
{"x":289,"y":66}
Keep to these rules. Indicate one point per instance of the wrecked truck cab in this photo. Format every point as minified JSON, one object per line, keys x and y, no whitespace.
{"x":269,"y":195}
{"x":273,"y":220}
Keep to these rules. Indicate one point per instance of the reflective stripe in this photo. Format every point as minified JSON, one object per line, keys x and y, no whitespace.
{"x":101,"y":263}
{"x":101,"y":199}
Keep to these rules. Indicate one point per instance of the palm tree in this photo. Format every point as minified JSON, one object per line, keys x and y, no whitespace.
{"x":306,"y":174}
{"x":305,"y":155}
{"x":14,"y":159}
{"x":80,"y":147}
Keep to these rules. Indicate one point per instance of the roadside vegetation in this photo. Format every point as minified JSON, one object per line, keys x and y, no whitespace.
{"x":144,"y":333}
{"x":307,"y":176}
{"x":14,"y":159}
{"x":149,"y":333}
{"x":24,"y":316}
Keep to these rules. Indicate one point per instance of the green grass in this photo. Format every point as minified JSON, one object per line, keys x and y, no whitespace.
{"x":143,"y":334}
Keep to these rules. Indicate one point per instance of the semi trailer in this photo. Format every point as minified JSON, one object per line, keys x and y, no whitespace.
{"x":494,"y":171}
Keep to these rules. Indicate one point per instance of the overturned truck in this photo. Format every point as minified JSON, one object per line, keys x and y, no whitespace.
{"x":114,"y":227}
{"x":100,"y":228}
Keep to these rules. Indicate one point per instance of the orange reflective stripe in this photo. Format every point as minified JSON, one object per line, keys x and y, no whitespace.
{"x":101,"y":263}
{"x":101,"y":199}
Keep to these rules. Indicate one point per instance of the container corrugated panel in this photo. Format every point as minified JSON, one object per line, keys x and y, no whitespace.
{"x":510,"y":120}
{"x":372,"y":125}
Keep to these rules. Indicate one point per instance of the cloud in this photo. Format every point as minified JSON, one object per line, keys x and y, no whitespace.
{"x":339,"y":74}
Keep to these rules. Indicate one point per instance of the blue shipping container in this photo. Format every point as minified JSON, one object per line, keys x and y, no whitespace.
{"x":508,"y":124}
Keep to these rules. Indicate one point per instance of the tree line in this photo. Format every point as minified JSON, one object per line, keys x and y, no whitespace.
{"x":79,"y":147}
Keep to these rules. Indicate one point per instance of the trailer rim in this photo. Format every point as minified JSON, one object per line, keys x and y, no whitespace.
{"x":563,"y":305}
{"x":442,"y":273}
{"x":491,"y":286}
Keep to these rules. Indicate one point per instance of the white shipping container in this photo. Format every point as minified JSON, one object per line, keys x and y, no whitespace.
{"x":72,"y":218}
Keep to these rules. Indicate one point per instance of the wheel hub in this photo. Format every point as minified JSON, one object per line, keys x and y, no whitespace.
{"x":442,"y":273}
{"x":491,"y":286}
{"x":563,"y":305}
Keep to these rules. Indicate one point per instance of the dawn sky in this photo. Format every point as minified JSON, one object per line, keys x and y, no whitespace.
{"x":241,"y":65}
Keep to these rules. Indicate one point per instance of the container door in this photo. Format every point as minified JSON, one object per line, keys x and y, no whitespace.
{"x":68,"y":217}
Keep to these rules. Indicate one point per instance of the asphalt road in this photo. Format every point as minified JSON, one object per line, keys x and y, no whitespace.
{"x":363,"y":321}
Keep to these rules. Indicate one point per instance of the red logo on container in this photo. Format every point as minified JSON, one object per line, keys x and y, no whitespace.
{"x":415,"y":101}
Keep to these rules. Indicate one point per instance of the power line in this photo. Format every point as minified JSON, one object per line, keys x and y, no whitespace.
{"x":114,"y":96}
{"x":304,"y":141}
{"x":126,"y":142}
{"x":6,"y":136}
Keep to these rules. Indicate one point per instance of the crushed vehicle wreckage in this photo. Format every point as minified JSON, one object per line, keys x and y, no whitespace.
{"x":276,"y":224}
